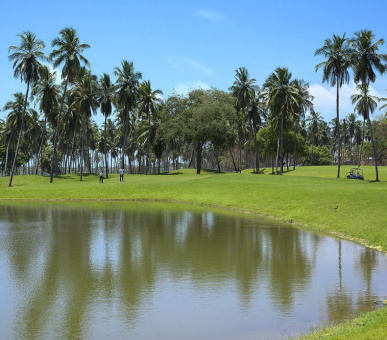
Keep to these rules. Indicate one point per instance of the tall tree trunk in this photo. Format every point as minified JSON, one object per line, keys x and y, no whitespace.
{"x":282,"y":133}
{"x":6,"y":154}
{"x":41,"y":145}
{"x":53,"y":160}
{"x":147,"y":146}
{"x":125,"y":137}
{"x":233,"y":161}
{"x":276,"y":159}
{"x":362,"y":141}
{"x":338,"y":127}
{"x":295,"y":144}
{"x":374,"y":151}
{"x":105,"y":149}
{"x":82,"y":146}
{"x":20,"y":134}
{"x":199,"y":157}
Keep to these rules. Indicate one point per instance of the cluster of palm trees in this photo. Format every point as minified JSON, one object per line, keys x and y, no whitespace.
{"x":360,"y":54}
{"x":143,"y":125}
{"x":80,"y":94}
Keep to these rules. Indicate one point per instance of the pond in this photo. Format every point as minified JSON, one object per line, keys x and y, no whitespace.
{"x":137,"y":270}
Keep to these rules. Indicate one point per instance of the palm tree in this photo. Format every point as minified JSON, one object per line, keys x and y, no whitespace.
{"x":351,"y":119}
{"x":283,"y":96}
{"x":255,"y":113}
{"x":314,"y":121}
{"x":86,"y":93}
{"x":243,"y":90}
{"x":364,"y":104}
{"x":127,"y":92}
{"x":106,"y":102}
{"x":365,"y":59}
{"x":149,"y":102}
{"x":335,"y":71}
{"x":46,"y":92}
{"x":68,"y":52}
{"x":13,"y":121}
{"x":305,"y":103}
{"x":26,"y":65}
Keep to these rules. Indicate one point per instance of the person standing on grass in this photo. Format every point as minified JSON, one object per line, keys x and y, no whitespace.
{"x":101,"y":177}
{"x":121,"y":175}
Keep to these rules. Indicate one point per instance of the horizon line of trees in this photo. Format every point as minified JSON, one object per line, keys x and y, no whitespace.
{"x":251,"y":126}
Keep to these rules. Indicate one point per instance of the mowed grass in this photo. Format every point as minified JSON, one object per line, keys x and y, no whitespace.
{"x":305,"y":197}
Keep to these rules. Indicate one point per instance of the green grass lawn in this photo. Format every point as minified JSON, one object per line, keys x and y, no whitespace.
{"x":306,"y":197}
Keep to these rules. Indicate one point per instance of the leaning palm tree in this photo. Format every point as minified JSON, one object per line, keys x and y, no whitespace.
{"x":149,"y":102}
{"x":335,"y":71}
{"x":46,"y":93}
{"x":282,"y":96}
{"x":13,"y":121}
{"x":26,"y":65}
{"x":106,"y":102}
{"x":243,"y":91}
{"x":68,"y":53}
{"x":127,"y":84}
{"x":365,"y":59}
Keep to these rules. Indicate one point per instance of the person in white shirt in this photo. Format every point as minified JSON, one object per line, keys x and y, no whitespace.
{"x":121,"y":175}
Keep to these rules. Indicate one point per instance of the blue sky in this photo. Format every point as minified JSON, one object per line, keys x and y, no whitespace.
{"x":188,"y":44}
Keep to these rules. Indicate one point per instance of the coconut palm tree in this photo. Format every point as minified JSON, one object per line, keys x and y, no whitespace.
{"x":255,"y":114}
{"x":283,"y":96}
{"x":26,"y":66}
{"x":46,"y":93}
{"x":305,"y":103}
{"x":127,"y":84}
{"x":149,"y":104}
{"x":13,"y":121}
{"x":68,"y":52}
{"x":335,"y":71}
{"x":314,"y":121}
{"x":106,"y":102}
{"x":86,"y":93}
{"x":365,"y":60}
{"x":243,"y":90}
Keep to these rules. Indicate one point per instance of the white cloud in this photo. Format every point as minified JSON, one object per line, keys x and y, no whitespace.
{"x":181,"y":63}
{"x":210,"y":15}
{"x":325,"y":99}
{"x":186,"y":87}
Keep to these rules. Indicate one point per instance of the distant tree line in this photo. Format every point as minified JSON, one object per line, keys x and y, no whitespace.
{"x":49,"y":129}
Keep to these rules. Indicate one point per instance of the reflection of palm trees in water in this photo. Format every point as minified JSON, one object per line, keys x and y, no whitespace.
{"x":113,"y":260}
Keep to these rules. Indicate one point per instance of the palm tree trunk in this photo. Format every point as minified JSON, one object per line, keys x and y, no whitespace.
{"x":41,"y":145}
{"x":361,"y":145}
{"x":338,"y":128}
{"x":374,"y":151}
{"x":105,"y":149}
{"x":281,"y":155}
{"x":233,"y":161}
{"x":276,"y":159}
{"x":20,"y":134}
{"x":295,"y":145}
{"x":82,"y":147}
{"x":147,"y":147}
{"x":125,"y":138}
{"x":6,"y":154}
{"x":53,"y":160}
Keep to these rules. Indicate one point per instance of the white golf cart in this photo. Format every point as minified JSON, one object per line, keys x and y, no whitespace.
{"x":355,"y":173}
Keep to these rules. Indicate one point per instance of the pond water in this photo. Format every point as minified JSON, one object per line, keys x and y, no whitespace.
{"x":125,"y":270}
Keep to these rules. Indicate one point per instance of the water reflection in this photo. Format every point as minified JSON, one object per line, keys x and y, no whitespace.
{"x":136,"y":270}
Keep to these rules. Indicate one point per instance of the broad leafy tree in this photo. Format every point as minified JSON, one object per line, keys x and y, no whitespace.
{"x":26,"y":67}
{"x":335,"y":72}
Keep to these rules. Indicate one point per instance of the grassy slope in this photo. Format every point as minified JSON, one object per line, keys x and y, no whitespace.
{"x":307,"y":196}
